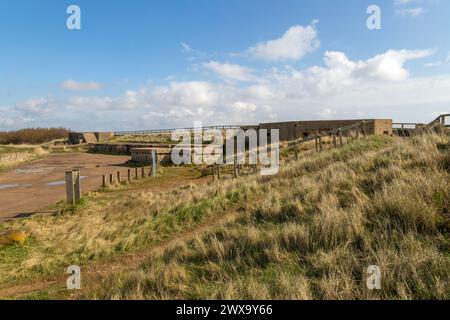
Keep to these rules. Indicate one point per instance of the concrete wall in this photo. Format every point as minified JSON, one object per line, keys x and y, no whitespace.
{"x":89,"y":137}
{"x":297,"y":129}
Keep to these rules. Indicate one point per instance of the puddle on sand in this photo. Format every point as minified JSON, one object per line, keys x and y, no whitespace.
{"x":35,"y":170}
{"x":61,"y":182}
{"x":14,"y":186}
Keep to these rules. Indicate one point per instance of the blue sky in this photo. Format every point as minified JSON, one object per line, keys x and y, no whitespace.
{"x":153,"y":64}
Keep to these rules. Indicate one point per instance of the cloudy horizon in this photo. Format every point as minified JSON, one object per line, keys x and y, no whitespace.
{"x":292,"y":67}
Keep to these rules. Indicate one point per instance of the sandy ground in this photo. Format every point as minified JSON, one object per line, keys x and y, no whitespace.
{"x":27,"y":188}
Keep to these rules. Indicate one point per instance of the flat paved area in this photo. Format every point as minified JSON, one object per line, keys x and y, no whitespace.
{"x":28,"y":188}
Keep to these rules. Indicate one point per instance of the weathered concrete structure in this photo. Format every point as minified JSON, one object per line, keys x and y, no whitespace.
{"x":144,"y":155}
{"x":89,"y":137}
{"x":297,"y":129}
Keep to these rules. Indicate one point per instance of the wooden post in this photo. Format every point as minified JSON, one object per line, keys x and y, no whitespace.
{"x":119,"y":177}
{"x":320,"y":143}
{"x":77,"y":185}
{"x":235,"y":167}
{"x":111,"y":178}
{"x":316,"y":143}
{"x":143,"y":172}
{"x":136,"y":174}
{"x":104,"y":181}
{"x":154,"y":163}
{"x":363,"y":129}
{"x":70,"y":192}
{"x":341,"y":142}
{"x":296,"y":150}
{"x":129,"y":175}
{"x":334,"y":140}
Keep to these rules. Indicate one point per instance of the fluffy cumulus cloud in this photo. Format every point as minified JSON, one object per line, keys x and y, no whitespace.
{"x":38,"y":106}
{"x":293,"y":45}
{"x":229,"y":71}
{"x":80,"y":86}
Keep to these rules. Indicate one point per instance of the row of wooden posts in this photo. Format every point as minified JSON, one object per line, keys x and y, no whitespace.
{"x":73,"y":177}
{"x":337,"y":136}
{"x":110,"y":180}
{"x":236,"y":170}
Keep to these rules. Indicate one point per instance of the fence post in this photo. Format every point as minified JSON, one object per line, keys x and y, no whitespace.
{"x":119,"y":177}
{"x":77,"y":185}
{"x":296,"y":150}
{"x":129,"y":175}
{"x":70,"y":192}
{"x":363,"y":129}
{"x":104,"y":181}
{"x":334,"y":140}
{"x":143,"y":172}
{"x":316,"y":143}
{"x":154,"y":163}
{"x":218,"y":172}
{"x":235,"y":167}
{"x":111,"y":178}
{"x":136,"y":174}
{"x":320,"y":143}
{"x":341,"y":142}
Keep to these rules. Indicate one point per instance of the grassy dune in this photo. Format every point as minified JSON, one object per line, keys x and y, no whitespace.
{"x":310,"y":232}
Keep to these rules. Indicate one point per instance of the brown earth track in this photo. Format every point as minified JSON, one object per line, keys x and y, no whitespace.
{"x":34,"y":192}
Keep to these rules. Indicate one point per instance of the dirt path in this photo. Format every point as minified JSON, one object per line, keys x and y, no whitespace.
{"x":29,"y":187}
{"x":93,"y":274}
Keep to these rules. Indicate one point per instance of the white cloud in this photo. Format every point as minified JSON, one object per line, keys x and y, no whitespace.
{"x":380,"y":86}
{"x":243,"y":106}
{"x":80,"y":86}
{"x":230,"y":71}
{"x":293,"y":45}
{"x":38,"y":106}
{"x":439,"y":62}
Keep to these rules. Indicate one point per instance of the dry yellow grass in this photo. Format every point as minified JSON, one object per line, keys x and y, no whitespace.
{"x":315,"y":229}
{"x":308,"y":233}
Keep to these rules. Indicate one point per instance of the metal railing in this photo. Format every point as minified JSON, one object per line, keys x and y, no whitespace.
{"x":162,"y":131}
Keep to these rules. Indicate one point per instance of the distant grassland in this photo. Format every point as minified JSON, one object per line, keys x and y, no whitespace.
{"x":309,"y":232}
